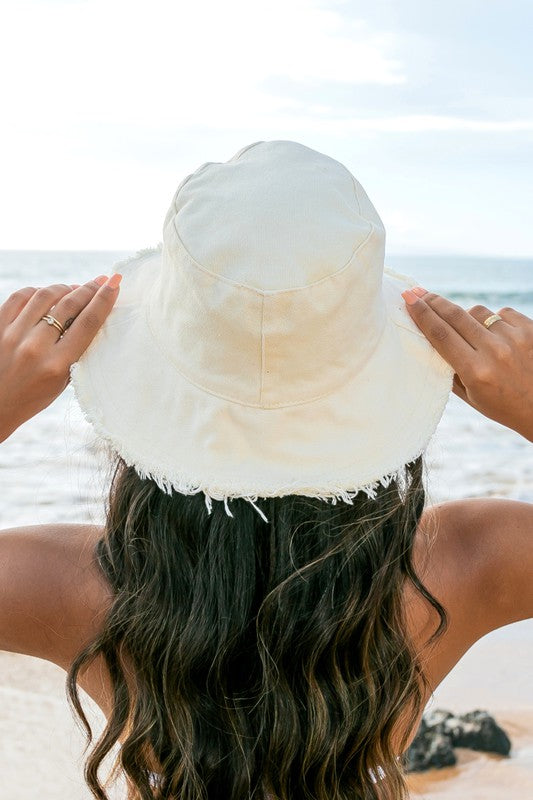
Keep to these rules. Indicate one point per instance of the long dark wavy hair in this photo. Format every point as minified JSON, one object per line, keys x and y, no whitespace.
{"x":251,"y":659}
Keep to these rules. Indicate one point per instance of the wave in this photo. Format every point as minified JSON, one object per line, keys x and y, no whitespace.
{"x":494,"y":297}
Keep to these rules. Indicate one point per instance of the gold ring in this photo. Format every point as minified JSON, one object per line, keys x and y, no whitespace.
{"x":493,"y":318}
{"x":55,"y":322}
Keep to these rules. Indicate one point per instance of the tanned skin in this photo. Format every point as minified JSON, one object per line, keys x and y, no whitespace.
{"x":475,"y":556}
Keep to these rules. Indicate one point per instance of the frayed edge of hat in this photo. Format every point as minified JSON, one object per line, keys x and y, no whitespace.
{"x":185,"y":486}
{"x":400,"y":276}
{"x":143,"y":253}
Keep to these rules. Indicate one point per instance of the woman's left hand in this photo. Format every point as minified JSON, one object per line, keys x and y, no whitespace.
{"x":35,"y":358}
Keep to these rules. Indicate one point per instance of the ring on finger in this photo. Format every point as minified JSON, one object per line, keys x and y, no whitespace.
{"x":490,"y":320}
{"x":55,"y":322}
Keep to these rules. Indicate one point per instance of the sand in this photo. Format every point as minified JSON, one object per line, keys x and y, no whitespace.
{"x":495,"y":675}
{"x":41,"y":747}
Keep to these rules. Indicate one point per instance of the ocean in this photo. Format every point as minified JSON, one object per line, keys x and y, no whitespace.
{"x":54,"y":468}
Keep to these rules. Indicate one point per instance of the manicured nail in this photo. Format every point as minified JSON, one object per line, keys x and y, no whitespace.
{"x":100,"y":280}
{"x":114,"y":280}
{"x":409,"y":297}
{"x":419,"y":290}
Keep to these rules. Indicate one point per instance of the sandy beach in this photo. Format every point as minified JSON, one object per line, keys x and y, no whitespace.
{"x":482,"y":776}
{"x":494,"y":675}
{"x":40,"y":744}
{"x":41,"y":747}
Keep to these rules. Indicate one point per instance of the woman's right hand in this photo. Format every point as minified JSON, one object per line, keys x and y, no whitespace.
{"x":493,"y":366}
{"x":35,"y":359}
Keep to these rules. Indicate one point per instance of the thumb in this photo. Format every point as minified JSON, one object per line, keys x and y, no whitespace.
{"x":459,"y":389}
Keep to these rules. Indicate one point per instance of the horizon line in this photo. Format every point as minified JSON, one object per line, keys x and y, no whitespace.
{"x":392,"y":254}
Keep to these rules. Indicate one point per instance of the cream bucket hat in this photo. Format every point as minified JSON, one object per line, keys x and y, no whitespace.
{"x":263,"y":349}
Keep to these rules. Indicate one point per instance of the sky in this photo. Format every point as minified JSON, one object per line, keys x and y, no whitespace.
{"x":107,"y":104}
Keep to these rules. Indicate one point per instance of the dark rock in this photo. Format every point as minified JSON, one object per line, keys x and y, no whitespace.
{"x":440,"y":731}
{"x":429,"y":749}
{"x":437,"y":717}
{"x":479,"y":731}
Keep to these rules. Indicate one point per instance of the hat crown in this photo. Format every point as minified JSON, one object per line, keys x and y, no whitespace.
{"x":269,"y":292}
{"x":270,"y":287}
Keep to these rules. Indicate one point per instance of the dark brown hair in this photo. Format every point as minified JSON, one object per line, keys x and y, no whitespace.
{"x":254,"y":659}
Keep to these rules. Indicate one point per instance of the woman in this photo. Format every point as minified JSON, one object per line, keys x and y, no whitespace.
{"x":269,"y":605}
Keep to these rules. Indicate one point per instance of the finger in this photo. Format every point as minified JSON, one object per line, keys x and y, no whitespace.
{"x":468,"y":323}
{"x":441,"y":334}
{"x":482,"y":313}
{"x":89,"y":321}
{"x":514,"y":317}
{"x":40,"y":303}
{"x":14,"y":304}
{"x":67,"y":309}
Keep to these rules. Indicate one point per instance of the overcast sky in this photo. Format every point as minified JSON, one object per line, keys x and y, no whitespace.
{"x":108,"y":104}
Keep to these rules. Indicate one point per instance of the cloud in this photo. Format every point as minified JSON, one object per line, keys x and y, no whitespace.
{"x":203,"y":63}
{"x":414,"y":123}
{"x":106,"y":103}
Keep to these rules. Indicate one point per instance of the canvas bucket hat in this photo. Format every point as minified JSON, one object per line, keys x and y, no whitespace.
{"x":263,"y":348}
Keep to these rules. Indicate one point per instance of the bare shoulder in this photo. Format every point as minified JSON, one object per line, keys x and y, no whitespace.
{"x":502,"y":551}
{"x":52,"y":593}
{"x":476,"y":557}
{"x":490,"y":541}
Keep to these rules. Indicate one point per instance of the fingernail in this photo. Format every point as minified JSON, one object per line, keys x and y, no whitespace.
{"x":114,"y":280}
{"x":409,"y":297}
{"x":419,"y":290}
{"x":100,"y":280}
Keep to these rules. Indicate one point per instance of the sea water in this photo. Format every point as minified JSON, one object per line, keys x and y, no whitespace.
{"x":54,"y":468}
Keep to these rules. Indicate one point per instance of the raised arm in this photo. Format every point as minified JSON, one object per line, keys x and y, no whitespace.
{"x":50,"y":589}
{"x":493,"y":374}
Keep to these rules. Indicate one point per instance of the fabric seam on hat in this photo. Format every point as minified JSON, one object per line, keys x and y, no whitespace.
{"x":244,"y":150}
{"x":372,"y":229}
{"x":224,"y":279}
{"x":262,"y":349}
{"x":170,"y":359}
{"x":357,"y":197}
{"x":161,"y":346}
{"x":409,"y":330}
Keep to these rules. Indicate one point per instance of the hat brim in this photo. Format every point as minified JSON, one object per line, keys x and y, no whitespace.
{"x":188,"y":439}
